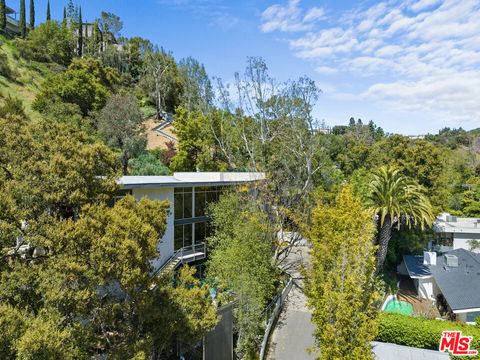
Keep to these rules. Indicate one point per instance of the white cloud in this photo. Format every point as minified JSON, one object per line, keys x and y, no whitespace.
{"x":414,"y":55}
{"x":290,"y":17}
{"x":326,"y":70}
{"x":423,"y":4}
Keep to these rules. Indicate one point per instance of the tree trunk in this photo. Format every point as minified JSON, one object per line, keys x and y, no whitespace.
{"x":125,"y":165}
{"x":385,"y":234}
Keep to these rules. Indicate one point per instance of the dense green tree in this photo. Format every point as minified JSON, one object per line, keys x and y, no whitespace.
{"x":110,"y":23}
{"x":243,"y":240}
{"x":65,"y":15}
{"x":197,"y":91}
{"x":396,"y":199}
{"x":121,"y":124}
{"x":80,"y":40}
{"x":32,"y":15}
{"x":421,"y":160}
{"x":148,"y":164}
{"x":85,"y":287}
{"x":471,"y":198}
{"x":161,"y":80}
{"x":71,"y":13}
{"x":86,"y":83}
{"x":3,"y":16}
{"x":49,"y":42}
{"x":49,"y":15}
{"x":341,"y":286}
{"x":135,"y":59}
{"x":56,"y":153}
{"x":23,"y":19}
{"x":196,"y":149}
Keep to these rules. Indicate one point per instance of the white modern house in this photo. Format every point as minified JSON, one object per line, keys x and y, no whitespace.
{"x":189,"y":194}
{"x":13,"y":25}
{"x":453,"y":233}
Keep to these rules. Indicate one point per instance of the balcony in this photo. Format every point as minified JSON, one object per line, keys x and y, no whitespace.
{"x":13,"y":25}
{"x":184,"y":255}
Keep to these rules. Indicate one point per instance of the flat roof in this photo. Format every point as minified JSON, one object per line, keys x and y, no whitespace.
{"x":188,"y":179}
{"x":387,"y":351}
{"x":453,"y":224}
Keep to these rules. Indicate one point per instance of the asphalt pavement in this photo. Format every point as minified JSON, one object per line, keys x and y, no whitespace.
{"x":293,"y":333}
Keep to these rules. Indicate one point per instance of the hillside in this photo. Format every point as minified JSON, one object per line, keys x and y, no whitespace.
{"x":25,"y":77}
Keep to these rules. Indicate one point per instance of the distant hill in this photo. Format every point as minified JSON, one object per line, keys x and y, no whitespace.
{"x":19,"y":77}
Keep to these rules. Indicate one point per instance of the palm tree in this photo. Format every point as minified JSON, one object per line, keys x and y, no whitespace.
{"x":396,"y":199}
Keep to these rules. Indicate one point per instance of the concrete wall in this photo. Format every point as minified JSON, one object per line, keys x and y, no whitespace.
{"x":460,"y":241}
{"x":166,"y":245}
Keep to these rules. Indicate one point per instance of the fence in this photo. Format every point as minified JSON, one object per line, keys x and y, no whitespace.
{"x":272,"y":312}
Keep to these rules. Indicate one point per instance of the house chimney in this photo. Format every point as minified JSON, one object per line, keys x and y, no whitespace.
{"x":429,"y":258}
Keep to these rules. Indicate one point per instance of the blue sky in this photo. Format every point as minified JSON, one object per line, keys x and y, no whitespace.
{"x":411,"y":66}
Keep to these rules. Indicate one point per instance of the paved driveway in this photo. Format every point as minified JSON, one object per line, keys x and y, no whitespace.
{"x":292,"y":335}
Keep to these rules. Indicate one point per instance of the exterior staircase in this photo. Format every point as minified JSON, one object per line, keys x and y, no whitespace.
{"x":184,"y":255}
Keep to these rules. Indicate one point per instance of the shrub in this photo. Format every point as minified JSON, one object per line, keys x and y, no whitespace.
{"x":148,"y":164}
{"x":12,"y":106}
{"x":5,"y":69}
{"x":50,"y":41}
{"x":421,"y":333}
{"x":86,"y":83}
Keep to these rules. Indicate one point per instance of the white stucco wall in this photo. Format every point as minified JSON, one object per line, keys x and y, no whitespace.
{"x":166,"y":244}
{"x":461,"y":241}
{"x":425,"y":288}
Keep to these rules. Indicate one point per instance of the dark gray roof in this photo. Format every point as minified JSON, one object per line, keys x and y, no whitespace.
{"x":415,"y":267}
{"x":387,"y":351}
{"x":460,"y":285}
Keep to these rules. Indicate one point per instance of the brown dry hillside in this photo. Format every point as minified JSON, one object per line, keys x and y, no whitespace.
{"x":159,"y":136}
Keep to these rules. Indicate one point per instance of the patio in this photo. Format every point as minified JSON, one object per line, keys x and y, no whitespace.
{"x":421,"y":307}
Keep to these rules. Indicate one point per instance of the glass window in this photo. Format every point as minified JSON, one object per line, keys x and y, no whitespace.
{"x":199,"y":203}
{"x":178,"y":206}
{"x":199,"y":232}
{"x":472,"y":316}
{"x":187,"y":205}
{"x":187,"y":235}
{"x":178,"y":244}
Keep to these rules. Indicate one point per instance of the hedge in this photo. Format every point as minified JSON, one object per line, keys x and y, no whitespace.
{"x":422,"y":333}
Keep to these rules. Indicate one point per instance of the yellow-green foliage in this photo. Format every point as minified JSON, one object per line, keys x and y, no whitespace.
{"x":90,"y":290}
{"x":25,"y":79}
{"x":341,"y":285}
{"x":422,"y":333}
{"x":241,"y":260}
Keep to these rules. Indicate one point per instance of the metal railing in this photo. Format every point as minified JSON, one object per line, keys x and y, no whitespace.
{"x":272,"y":312}
{"x":185,"y":255}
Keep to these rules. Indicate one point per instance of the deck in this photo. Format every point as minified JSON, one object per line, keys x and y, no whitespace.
{"x":421,"y":307}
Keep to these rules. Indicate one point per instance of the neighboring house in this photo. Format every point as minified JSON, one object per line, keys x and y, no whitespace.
{"x":13,"y":25}
{"x":452,"y":278}
{"x":187,"y":223}
{"x":105,"y":38}
{"x":453,"y":232}
{"x":416,"y":137}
